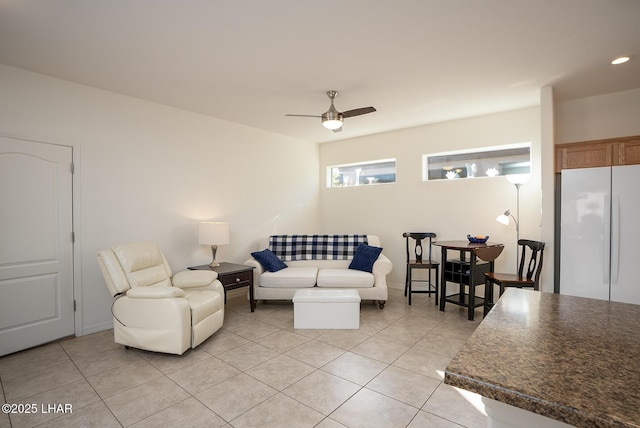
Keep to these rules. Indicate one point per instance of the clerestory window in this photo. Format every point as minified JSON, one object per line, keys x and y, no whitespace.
{"x":488,"y":162}
{"x":362,"y":173}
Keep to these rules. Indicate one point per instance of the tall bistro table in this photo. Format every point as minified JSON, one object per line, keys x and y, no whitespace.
{"x":466,"y":272}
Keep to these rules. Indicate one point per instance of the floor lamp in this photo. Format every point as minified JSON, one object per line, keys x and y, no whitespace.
{"x":517,"y":180}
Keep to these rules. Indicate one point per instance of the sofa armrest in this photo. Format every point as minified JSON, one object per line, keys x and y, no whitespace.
{"x":381,"y":268}
{"x":256,"y":264}
{"x":257,"y":271}
{"x":158,"y":292}
{"x":194,"y":278}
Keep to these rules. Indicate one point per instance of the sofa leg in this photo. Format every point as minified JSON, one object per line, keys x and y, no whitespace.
{"x":381,"y":303}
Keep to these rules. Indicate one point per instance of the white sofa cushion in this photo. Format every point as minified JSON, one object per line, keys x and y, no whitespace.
{"x":345,"y":278}
{"x":291,"y":277}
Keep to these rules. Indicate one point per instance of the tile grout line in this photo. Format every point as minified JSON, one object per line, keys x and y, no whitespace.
{"x":401,"y":317}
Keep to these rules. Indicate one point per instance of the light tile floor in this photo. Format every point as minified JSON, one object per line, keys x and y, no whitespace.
{"x":257,"y":371}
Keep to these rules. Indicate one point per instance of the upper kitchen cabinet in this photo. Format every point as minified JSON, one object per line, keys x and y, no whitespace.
{"x":590,"y":154}
{"x":629,"y":151}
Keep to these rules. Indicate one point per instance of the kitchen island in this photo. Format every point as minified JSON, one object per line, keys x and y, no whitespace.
{"x":571,"y":360}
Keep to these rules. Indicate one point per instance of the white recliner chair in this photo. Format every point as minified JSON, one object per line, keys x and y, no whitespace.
{"x":155,"y":310}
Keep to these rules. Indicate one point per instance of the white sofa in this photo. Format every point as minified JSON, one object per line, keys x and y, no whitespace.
{"x":321,"y":273}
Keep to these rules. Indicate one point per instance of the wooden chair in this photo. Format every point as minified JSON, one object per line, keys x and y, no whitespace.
{"x":415,"y":260}
{"x":530,"y":279}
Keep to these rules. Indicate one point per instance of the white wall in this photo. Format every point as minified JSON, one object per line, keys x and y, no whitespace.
{"x":594,"y":118}
{"x":451,"y":208}
{"x":147,"y":171}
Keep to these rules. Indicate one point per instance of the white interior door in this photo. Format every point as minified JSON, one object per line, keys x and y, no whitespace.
{"x":36,"y":249}
{"x":625,"y":234}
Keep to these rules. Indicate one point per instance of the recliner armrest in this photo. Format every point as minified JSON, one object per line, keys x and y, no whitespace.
{"x":194,"y":278}
{"x":151,"y":292}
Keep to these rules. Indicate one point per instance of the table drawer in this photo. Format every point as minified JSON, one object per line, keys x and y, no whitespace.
{"x":240,"y":279}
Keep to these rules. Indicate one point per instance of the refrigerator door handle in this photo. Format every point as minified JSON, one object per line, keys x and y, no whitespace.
{"x":615,"y":237}
{"x":606,"y":242}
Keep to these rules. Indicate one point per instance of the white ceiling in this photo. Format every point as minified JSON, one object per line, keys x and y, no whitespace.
{"x":253,"y":61}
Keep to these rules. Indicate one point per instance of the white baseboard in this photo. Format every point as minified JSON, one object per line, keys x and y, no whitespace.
{"x":108,"y":325}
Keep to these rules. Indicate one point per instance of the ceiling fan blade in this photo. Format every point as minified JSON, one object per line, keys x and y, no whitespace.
{"x":337,"y":130}
{"x":358,"y":111}
{"x":302,"y":115}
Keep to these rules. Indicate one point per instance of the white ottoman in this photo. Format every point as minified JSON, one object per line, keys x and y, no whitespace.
{"x":326,"y":309}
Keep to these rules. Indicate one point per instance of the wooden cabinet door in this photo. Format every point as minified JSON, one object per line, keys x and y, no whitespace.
{"x":578,"y":155}
{"x":629,"y":152}
{"x":593,"y":154}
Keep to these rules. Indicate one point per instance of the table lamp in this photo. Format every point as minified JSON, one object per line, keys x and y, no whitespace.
{"x":214,"y":234}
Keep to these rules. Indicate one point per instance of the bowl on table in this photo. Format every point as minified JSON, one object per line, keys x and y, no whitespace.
{"x":478,"y":239}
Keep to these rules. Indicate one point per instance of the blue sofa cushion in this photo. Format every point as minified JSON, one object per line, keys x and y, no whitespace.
{"x":269,"y":260}
{"x":365,"y":257}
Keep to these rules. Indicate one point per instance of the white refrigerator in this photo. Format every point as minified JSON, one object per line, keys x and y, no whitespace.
{"x":600,"y":233}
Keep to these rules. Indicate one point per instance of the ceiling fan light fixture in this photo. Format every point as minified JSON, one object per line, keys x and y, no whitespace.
{"x":332,"y":119}
{"x":332,"y":123}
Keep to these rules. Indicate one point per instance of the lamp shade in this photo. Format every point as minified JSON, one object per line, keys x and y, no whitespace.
{"x":503,"y":219}
{"x":213,"y":233}
{"x":518,"y":178}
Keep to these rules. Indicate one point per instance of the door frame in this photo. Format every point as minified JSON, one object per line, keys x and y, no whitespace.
{"x":75,"y":218}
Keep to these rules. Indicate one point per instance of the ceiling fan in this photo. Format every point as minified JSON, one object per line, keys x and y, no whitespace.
{"x":332,"y":118}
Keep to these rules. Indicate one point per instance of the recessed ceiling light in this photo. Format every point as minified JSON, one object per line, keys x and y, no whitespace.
{"x":620,"y":60}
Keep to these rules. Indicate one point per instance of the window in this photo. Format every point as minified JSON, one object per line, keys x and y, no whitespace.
{"x":362,"y":173}
{"x":488,"y":162}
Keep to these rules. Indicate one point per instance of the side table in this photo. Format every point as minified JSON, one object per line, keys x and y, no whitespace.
{"x":466,"y":273}
{"x":232,"y":276}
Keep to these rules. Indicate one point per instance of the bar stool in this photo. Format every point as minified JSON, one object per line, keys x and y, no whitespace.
{"x":414,"y":239}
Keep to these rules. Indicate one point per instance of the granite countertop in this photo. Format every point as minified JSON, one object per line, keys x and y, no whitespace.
{"x":572,"y":359}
